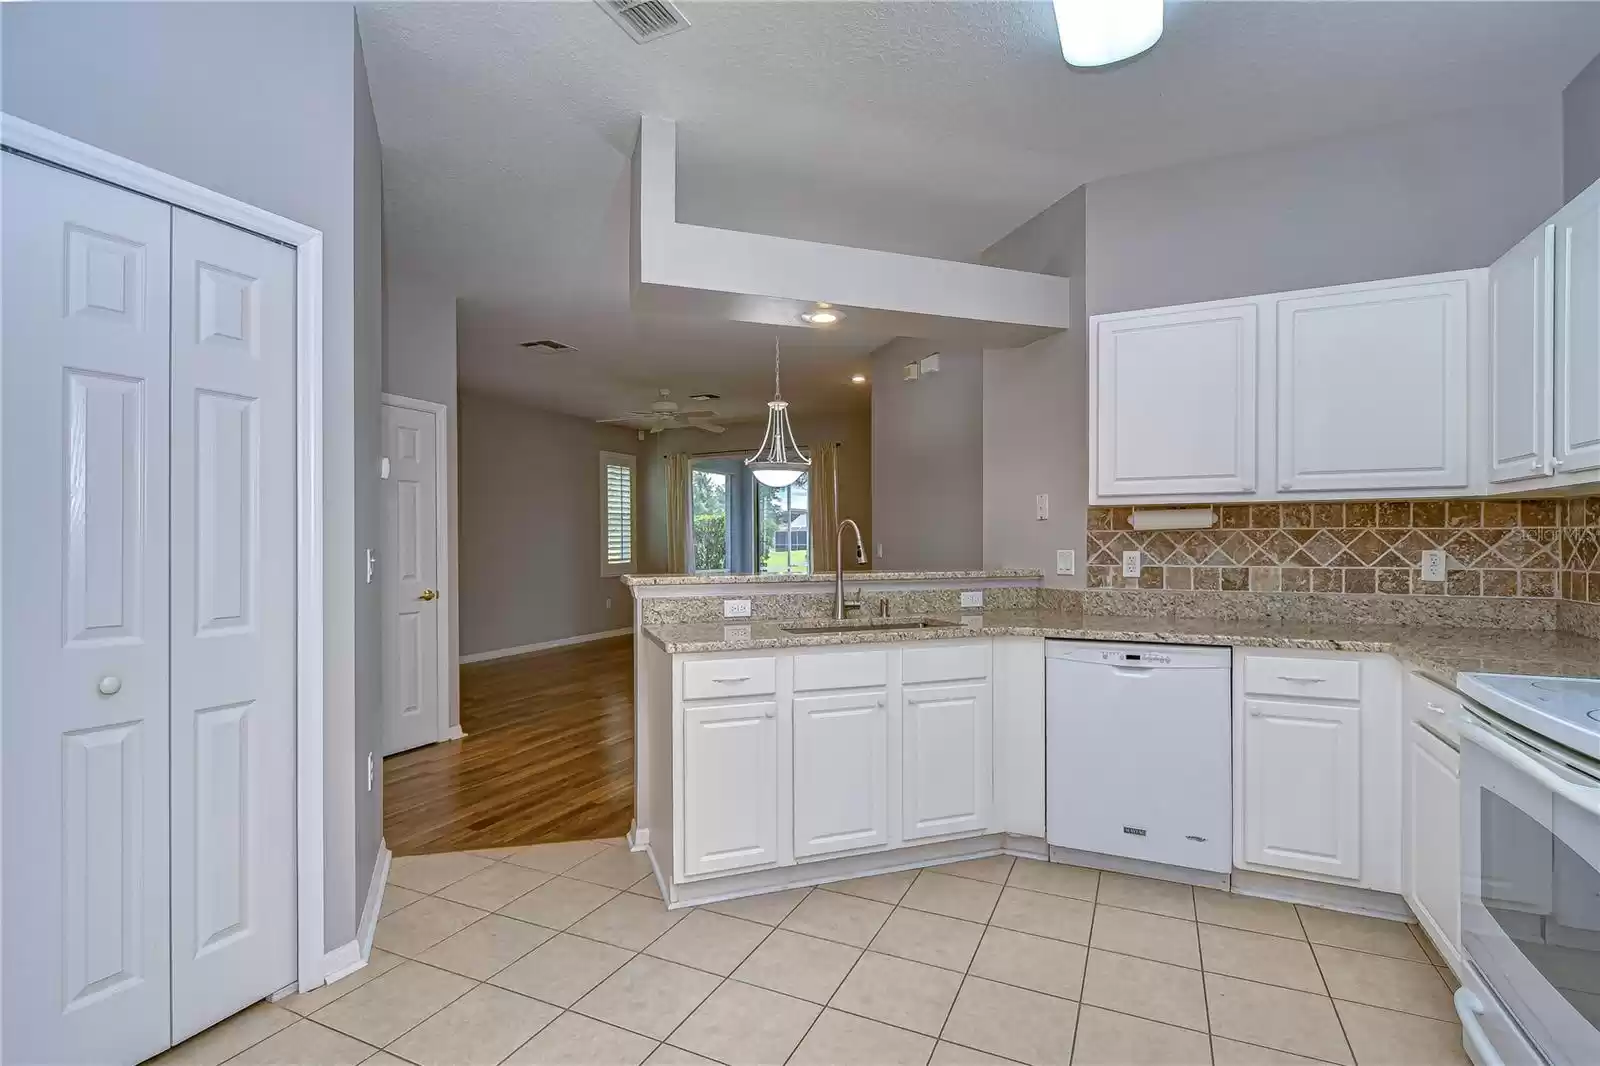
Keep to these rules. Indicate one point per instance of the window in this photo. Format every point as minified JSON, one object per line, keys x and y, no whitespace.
{"x":740,"y":526}
{"x":616,"y":513}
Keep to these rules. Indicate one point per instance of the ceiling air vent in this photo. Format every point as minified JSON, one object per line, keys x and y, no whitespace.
{"x":645,"y":20}
{"x":549,"y":346}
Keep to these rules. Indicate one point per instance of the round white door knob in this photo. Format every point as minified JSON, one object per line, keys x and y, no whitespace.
{"x":110,"y":686}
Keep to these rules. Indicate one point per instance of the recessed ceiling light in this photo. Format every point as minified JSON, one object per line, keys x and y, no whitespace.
{"x":549,"y":345}
{"x":858,"y":378}
{"x":704,"y":397}
{"x":822,"y":315}
{"x":1095,"y":33}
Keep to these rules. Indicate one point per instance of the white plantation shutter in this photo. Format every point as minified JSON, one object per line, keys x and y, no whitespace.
{"x":616,"y":502}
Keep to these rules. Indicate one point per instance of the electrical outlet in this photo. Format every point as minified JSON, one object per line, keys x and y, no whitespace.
{"x":369,"y":771}
{"x":1130,"y":564}
{"x":608,"y":603}
{"x":1066,"y":561}
{"x":383,"y":468}
{"x":1435,"y":565}
{"x":736,"y":608}
{"x":735,"y":633}
{"x":972,"y":599}
{"x":880,"y":549}
{"x":1041,"y":506}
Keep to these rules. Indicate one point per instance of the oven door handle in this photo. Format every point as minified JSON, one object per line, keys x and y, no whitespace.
{"x":1585,"y":797}
{"x":1469,"y":1008}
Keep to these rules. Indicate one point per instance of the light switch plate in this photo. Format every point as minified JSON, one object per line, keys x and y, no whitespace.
{"x":880,"y":549}
{"x":1066,"y":561}
{"x":1435,"y":565}
{"x":1130,"y":564}
{"x":972,"y":599}
{"x":383,"y":467}
{"x":930,"y":365}
{"x":736,"y":608}
{"x":912,"y":371}
{"x":1041,"y":506}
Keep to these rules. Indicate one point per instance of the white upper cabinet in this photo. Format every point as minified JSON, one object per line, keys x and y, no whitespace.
{"x":1372,"y":388}
{"x":1577,"y":335}
{"x":1175,"y":401}
{"x":1520,"y":320}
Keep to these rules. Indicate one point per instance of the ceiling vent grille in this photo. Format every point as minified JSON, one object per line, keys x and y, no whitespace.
{"x":645,"y":20}
{"x":552,"y":346}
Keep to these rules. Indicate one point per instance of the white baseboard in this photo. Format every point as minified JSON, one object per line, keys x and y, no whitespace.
{"x":455,"y":733}
{"x":638,"y":839}
{"x":347,"y":958}
{"x":582,"y":638}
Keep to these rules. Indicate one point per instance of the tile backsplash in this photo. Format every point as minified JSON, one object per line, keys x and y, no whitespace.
{"x":1543,"y":549}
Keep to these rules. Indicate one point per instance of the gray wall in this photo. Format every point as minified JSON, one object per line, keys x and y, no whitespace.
{"x":1442,"y":194}
{"x":419,"y":361}
{"x":1580,"y":120}
{"x":927,"y":459}
{"x":852,"y":431}
{"x":256,"y":100}
{"x":1036,"y":412}
{"x":530,"y":526}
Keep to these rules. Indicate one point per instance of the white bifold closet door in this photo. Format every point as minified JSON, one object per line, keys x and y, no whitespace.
{"x":148,"y":509}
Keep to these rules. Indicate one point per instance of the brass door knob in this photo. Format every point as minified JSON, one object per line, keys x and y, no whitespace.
{"x":428,"y":594}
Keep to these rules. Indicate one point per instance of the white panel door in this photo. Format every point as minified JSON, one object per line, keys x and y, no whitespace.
{"x":1577,"y":345}
{"x":233,"y":620}
{"x":729,"y":781}
{"x":1372,"y":388}
{"x":412,"y":611}
{"x":947,"y":775}
{"x":1432,"y":838}
{"x":85,"y":377}
{"x":1521,"y":327}
{"x":1175,"y":402}
{"x":1302,"y":786}
{"x":841,"y":771}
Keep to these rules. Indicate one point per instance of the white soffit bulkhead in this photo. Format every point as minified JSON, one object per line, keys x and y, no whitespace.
{"x":754,"y":277}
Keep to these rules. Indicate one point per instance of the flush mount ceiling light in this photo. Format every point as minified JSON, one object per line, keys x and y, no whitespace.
{"x":1097,"y":32}
{"x":822,"y":315}
{"x":778,"y":462}
{"x":859,"y":379}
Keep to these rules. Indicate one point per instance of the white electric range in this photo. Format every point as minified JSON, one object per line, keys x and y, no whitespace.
{"x":1530,"y":870}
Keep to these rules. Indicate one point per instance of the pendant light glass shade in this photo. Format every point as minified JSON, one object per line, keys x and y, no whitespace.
{"x":1097,"y":32}
{"x":778,"y":462}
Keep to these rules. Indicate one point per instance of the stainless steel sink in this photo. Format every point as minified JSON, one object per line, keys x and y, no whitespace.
{"x":867,"y":625}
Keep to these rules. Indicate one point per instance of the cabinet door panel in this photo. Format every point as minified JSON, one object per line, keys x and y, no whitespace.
{"x":1577,"y":347}
{"x":841,"y":757}
{"x":1372,"y":388}
{"x":1175,"y":402}
{"x":730,"y":786}
{"x":1433,"y":832}
{"x":1520,"y":337}
{"x":947,"y":769}
{"x":1302,"y":789}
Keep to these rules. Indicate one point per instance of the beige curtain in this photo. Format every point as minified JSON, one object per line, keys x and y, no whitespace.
{"x":677,"y":514}
{"x":824,"y":505}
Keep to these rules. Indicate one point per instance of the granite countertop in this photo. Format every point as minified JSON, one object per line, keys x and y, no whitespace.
{"x":851,"y":577}
{"x":1440,"y":652}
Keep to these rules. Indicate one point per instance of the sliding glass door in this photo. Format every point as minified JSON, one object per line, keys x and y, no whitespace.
{"x":740,"y":526}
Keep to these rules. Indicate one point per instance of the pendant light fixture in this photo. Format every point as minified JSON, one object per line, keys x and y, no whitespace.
{"x":778,"y":462}
{"x":1097,"y":32}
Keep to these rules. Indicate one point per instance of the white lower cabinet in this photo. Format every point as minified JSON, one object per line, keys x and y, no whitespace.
{"x":1433,"y":834}
{"x":841,"y":771}
{"x":729,"y":786}
{"x":946,"y":762}
{"x":1302,"y":786}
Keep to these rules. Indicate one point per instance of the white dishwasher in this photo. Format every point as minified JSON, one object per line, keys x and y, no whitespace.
{"x":1139,"y":752}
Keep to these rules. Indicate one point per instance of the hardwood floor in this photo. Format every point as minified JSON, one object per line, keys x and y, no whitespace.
{"x":548,"y":756}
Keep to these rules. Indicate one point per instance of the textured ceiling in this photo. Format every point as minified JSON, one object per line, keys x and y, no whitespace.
{"x":929,"y":128}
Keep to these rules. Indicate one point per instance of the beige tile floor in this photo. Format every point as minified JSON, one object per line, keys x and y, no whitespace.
{"x":563,"y":953}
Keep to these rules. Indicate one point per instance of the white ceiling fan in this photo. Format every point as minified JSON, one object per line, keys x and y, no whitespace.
{"x":664,"y":413}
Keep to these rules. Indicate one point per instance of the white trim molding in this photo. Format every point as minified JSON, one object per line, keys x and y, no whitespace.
{"x":523,"y":649}
{"x":46,"y":145}
{"x":352,"y":955}
{"x":441,"y":541}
